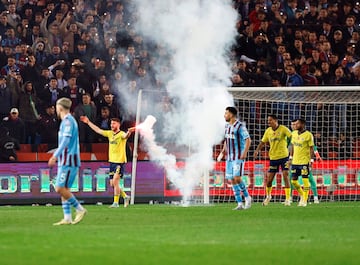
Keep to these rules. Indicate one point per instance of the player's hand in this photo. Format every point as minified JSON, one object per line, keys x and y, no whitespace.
{"x":84,"y":119}
{"x":243,"y":156}
{"x":52,"y":161}
{"x":220,"y":156}
{"x":132,"y":129}
{"x":256,"y":153}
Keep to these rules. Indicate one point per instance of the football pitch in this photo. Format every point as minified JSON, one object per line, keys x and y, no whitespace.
{"x":328,"y":233}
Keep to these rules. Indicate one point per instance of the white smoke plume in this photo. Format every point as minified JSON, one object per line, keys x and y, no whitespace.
{"x":198,"y":35}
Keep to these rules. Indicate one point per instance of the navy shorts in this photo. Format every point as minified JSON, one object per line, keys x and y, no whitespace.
{"x":116,"y":168}
{"x":300,"y":170}
{"x":282,"y":163}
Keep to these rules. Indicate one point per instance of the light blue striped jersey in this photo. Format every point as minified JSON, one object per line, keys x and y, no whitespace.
{"x":70,"y":156}
{"x":235,"y":137}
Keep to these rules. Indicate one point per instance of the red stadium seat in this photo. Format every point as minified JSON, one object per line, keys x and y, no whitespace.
{"x":25,"y":148}
{"x":44,"y":157}
{"x":99,"y":147}
{"x":27,"y":157}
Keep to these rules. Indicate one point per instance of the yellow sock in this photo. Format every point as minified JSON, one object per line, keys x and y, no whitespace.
{"x":268,"y":191}
{"x":123,"y":194}
{"x":297,"y":187}
{"x":116,"y":198}
{"x":306,"y":188}
{"x":287,"y":194}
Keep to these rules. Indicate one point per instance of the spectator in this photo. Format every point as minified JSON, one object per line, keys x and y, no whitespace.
{"x":52,"y":33}
{"x":10,"y":40}
{"x":103,"y":122}
{"x":51,"y":93}
{"x":59,"y":75}
{"x":237,"y":81}
{"x":29,"y":109}
{"x":88,"y":109}
{"x":309,"y":78}
{"x":48,"y":127}
{"x":73,"y":92}
{"x":7,"y":98}
{"x":8,"y":146}
{"x":15,"y":125}
{"x":11,"y":68}
{"x":31,"y":71}
{"x":338,"y":44}
{"x":293,"y":78}
{"x":4,"y":25}
{"x":13,"y":18}
{"x":324,"y":75}
{"x":110,"y":102}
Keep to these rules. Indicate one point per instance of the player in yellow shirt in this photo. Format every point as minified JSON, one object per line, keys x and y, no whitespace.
{"x":277,"y":136}
{"x":301,"y":158}
{"x":117,"y":155}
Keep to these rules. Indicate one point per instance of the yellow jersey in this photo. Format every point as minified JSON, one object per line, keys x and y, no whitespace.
{"x":278,"y":141}
{"x":301,"y":146}
{"x":117,"y":146}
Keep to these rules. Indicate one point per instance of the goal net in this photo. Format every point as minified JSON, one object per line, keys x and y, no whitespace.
{"x":331,"y":114}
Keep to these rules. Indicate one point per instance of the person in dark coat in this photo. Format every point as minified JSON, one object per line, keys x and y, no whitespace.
{"x":8,"y":146}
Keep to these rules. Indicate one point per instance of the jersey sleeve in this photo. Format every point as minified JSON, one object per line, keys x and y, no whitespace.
{"x":311,"y":140}
{"x":287,"y":132}
{"x":107,"y":133}
{"x":265,"y":137}
{"x":67,"y":129}
{"x":244,"y":132}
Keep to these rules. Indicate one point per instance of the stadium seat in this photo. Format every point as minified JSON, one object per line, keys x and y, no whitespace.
{"x":44,"y":157}
{"x":99,"y":147}
{"x":101,"y":156}
{"x":85,"y":156}
{"x":42,"y":148}
{"x":25,"y":148}
{"x":27,"y":157}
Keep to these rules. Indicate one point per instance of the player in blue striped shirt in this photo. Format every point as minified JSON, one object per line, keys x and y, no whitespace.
{"x":67,"y":156}
{"x":237,"y":143}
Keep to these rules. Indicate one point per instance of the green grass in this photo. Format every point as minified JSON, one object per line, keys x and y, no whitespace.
{"x":328,"y":233}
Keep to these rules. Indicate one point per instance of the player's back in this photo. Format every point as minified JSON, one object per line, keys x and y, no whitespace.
{"x":71,"y":154}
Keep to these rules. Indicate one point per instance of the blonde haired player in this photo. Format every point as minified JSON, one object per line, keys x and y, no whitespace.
{"x":277,"y":136}
{"x":117,"y":155}
{"x":301,"y":158}
{"x":67,"y":156}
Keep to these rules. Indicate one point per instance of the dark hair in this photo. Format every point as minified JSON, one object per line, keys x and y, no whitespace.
{"x":273,"y":116}
{"x":232,"y":110}
{"x":301,"y":120}
{"x":115,"y":119}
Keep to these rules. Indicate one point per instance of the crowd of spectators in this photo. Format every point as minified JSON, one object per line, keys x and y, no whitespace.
{"x":297,"y":43}
{"x":89,"y":51}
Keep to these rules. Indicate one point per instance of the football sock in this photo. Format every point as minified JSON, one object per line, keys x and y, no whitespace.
{"x":67,"y":210}
{"x":287,"y":194}
{"x":297,"y":187}
{"x":123,"y":194}
{"x":268,"y":191}
{"x":237,"y":194}
{"x":75,"y":203}
{"x":116,"y":198}
{"x":313,"y":184}
{"x":243,"y":188}
{"x":306,"y":188}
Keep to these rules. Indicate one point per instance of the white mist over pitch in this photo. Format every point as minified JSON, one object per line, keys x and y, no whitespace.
{"x":198,"y":34}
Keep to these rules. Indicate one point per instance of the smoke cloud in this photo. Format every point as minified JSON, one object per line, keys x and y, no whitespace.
{"x":197,"y":35}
